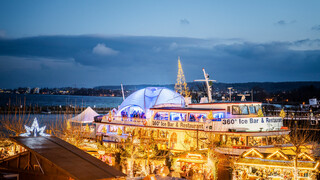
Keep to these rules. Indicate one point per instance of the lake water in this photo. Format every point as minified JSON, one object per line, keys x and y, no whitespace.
{"x":57,"y":100}
{"x":53,"y":100}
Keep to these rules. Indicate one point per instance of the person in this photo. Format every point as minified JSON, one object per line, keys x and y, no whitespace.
{"x":211,"y":176}
{"x":1,"y":154}
{"x":192,"y":118}
{"x":205,"y":174}
{"x":191,"y":172}
{"x":134,"y":169}
{"x":244,"y":175}
{"x":183,"y":168}
{"x":155,"y":170}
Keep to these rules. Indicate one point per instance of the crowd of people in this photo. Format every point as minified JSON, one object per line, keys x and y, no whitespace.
{"x":191,"y":171}
{"x":134,"y":114}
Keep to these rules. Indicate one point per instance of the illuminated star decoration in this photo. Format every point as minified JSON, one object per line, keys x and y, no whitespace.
{"x":35,"y":129}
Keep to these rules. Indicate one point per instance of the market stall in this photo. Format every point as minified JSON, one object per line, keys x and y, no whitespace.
{"x":255,"y":165}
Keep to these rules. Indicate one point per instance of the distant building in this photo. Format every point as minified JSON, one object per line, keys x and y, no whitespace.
{"x":36,"y":90}
{"x":28,"y":90}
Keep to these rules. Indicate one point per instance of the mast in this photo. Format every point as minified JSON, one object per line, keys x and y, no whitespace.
{"x":206,"y":79}
{"x":122,"y":91}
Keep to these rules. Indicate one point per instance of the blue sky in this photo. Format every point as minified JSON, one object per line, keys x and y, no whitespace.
{"x":251,"y":20}
{"x":91,"y":43}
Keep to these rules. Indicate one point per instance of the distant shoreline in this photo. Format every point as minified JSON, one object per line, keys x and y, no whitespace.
{"x":42,"y":104}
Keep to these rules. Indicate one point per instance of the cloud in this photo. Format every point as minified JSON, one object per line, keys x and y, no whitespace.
{"x":173,"y":46}
{"x":157,"y":49}
{"x":2,"y":33}
{"x":12,"y":63}
{"x":305,"y":45}
{"x":283,"y":22}
{"x":101,"y":49}
{"x":42,"y":72}
{"x":145,"y":59}
{"x":316,"y":28}
{"x":184,"y":21}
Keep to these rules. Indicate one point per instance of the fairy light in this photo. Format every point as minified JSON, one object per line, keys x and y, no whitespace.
{"x":301,"y":154}
{"x":35,"y":129}
{"x":278,"y":166}
{"x":316,"y":167}
{"x":197,"y":155}
{"x":277,"y":152}
{"x":254,"y":151}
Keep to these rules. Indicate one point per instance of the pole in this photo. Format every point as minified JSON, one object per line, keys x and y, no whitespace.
{"x":230,"y":88}
{"x":122,"y":91}
{"x":207,"y":83}
{"x":197,"y":139}
{"x":252,"y":95}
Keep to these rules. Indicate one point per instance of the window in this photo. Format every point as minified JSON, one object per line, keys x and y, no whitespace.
{"x":161,"y":116}
{"x":252,"y":110}
{"x":236,"y":110}
{"x":197,"y":117}
{"x":176,"y":116}
{"x":163,"y":134}
{"x":258,"y":107}
{"x":155,"y":133}
{"x":114,"y":128}
{"x":145,"y":133}
{"x":244,"y":110}
{"x":240,"y":110}
{"x":257,"y":141}
{"x":234,"y":141}
{"x":173,"y":140}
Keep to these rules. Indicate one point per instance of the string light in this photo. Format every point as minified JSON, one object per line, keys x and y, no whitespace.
{"x":278,"y":166}
{"x":277,"y":152}
{"x":301,"y":154}
{"x":254,"y":151}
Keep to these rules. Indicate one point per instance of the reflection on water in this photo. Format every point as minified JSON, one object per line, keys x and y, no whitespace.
{"x":43,"y":119}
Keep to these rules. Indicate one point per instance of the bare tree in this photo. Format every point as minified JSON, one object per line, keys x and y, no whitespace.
{"x":13,"y":122}
{"x":300,"y":140}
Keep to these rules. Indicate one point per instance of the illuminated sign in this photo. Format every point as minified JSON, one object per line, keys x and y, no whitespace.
{"x":237,"y":124}
{"x":184,"y":125}
{"x":246,"y":124}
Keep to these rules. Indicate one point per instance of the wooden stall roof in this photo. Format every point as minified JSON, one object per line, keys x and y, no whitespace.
{"x":270,"y":163}
{"x":70,"y":159}
{"x":253,"y":157}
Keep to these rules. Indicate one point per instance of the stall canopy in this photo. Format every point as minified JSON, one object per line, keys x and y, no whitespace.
{"x":87,"y":116}
{"x":151,"y":97}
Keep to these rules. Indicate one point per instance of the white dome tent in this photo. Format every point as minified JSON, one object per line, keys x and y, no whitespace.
{"x":142,"y":100}
{"x":87,"y":116}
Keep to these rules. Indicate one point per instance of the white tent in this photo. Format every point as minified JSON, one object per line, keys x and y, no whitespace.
{"x":87,"y":116}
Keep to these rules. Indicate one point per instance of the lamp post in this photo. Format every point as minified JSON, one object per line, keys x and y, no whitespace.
{"x":230,"y":88}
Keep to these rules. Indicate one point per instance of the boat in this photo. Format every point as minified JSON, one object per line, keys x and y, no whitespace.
{"x":236,"y":125}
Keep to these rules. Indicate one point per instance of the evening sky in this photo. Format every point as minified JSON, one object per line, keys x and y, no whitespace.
{"x":91,"y":43}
